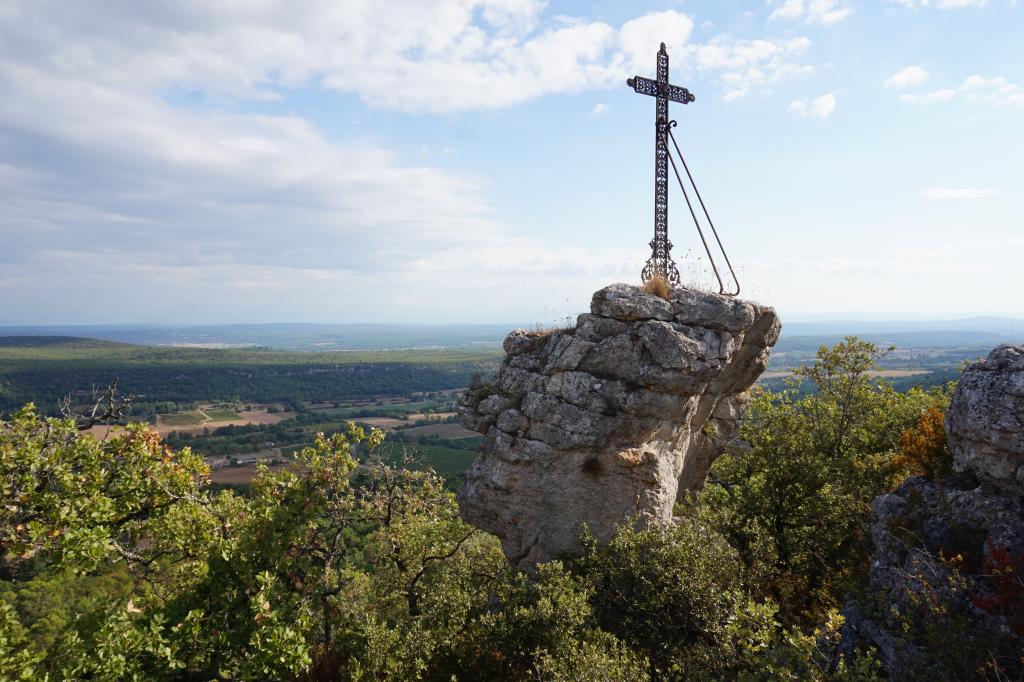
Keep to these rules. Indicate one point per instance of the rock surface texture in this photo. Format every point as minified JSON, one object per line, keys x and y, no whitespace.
{"x":949,"y":555}
{"x":609,"y":420}
{"x":986,"y":419}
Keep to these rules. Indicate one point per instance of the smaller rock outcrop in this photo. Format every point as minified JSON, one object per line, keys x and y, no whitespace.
{"x":948,"y":567}
{"x":986,"y":419}
{"x":610,"y":419}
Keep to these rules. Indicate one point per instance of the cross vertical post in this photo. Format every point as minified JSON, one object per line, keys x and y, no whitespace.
{"x":660,"y":263}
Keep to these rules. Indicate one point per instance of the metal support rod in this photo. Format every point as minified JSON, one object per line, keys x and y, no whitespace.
{"x":707,"y":215}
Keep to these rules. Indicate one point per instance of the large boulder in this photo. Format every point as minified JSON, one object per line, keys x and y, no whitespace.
{"x":986,"y":419}
{"x":608,"y":421}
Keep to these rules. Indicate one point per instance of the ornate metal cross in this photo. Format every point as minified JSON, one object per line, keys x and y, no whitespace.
{"x":660,"y":262}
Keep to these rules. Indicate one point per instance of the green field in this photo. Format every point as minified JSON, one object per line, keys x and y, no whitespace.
{"x":450,"y":431}
{"x":450,"y":463}
{"x":221,"y":415}
{"x":183,"y":419}
{"x":390,"y":408}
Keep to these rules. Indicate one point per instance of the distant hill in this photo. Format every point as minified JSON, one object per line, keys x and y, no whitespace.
{"x":44,"y":369}
{"x":333,"y":337}
{"x":900,"y":339}
{"x":292,"y":337}
{"x":76,"y":342}
{"x":1001,"y":326}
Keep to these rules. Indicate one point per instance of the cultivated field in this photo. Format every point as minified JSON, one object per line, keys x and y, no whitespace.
{"x":450,"y":431}
{"x":209,"y":417}
{"x":103,"y":432}
{"x":221,"y":415}
{"x":386,"y":423}
{"x":183,"y":419}
{"x":884,"y":373}
{"x":239,"y":475}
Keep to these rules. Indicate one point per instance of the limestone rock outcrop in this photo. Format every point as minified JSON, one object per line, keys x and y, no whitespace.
{"x":609,"y":420}
{"x":949,"y":554}
{"x":985,"y":423}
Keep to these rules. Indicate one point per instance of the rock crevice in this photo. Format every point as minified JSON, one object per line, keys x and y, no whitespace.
{"x":611,"y":419}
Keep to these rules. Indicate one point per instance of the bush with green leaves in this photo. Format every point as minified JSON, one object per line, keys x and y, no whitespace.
{"x":123,"y":565}
{"x":71,"y":500}
{"x":796,"y":500}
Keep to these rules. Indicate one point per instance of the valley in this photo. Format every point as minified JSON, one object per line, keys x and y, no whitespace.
{"x":239,"y":407}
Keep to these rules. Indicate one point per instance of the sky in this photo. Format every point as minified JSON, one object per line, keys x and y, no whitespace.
{"x":195,"y":162}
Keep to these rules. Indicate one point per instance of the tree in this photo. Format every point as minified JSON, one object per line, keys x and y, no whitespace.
{"x":72,"y":500}
{"x":796,"y":502}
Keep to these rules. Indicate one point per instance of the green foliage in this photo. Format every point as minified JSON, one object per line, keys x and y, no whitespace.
{"x":669,"y":594}
{"x":680,"y":598}
{"x":796,"y":502}
{"x":121,"y":563}
{"x":308,"y":571}
{"x":593,"y":661}
{"x":54,"y":601}
{"x":73,"y":500}
{"x":18,"y":659}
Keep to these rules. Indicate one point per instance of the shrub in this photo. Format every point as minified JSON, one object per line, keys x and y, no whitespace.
{"x":923,"y":449}
{"x":667,"y":593}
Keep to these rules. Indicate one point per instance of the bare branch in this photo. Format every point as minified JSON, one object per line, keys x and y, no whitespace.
{"x":108,"y":407}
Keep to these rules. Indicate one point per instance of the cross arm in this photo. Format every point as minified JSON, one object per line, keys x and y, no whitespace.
{"x":646,"y":86}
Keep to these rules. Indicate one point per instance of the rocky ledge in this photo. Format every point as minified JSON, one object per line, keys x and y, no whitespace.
{"x":608,"y":421}
{"x":985,"y":423}
{"x":949,"y":554}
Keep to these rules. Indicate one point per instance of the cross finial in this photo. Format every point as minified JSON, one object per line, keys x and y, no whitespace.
{"x":660,"y":263}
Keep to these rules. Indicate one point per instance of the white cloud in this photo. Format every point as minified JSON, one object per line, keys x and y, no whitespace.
{"x":162,"y":165}
{"x":743,"y":65}
{"x":940,"y":4}
{"x":442,"y":56}
{"x":788,"y":9}
{"x":819,"y":107}
{"x":963,"y":193}
{"x":599,"y":109}
{"x":638,"y":39}
{"x":907,"y":77}
{"x":812,"y":11}
{"x":997,"y":91}
{"x":943,"y":95}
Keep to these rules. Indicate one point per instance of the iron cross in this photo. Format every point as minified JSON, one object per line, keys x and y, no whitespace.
{"x":660,"y":262}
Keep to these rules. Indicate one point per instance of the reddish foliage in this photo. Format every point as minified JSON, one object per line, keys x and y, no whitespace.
{"x":923,"y":448}
{"x":1004,"y":573}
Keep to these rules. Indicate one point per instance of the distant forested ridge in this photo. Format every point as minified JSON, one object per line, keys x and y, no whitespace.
{"x":45,"y":369}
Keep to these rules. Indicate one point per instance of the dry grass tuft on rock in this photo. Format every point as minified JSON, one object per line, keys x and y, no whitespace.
{"x":659,"y":286}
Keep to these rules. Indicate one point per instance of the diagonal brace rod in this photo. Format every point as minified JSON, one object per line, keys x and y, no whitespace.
{"x":693,"y":214}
